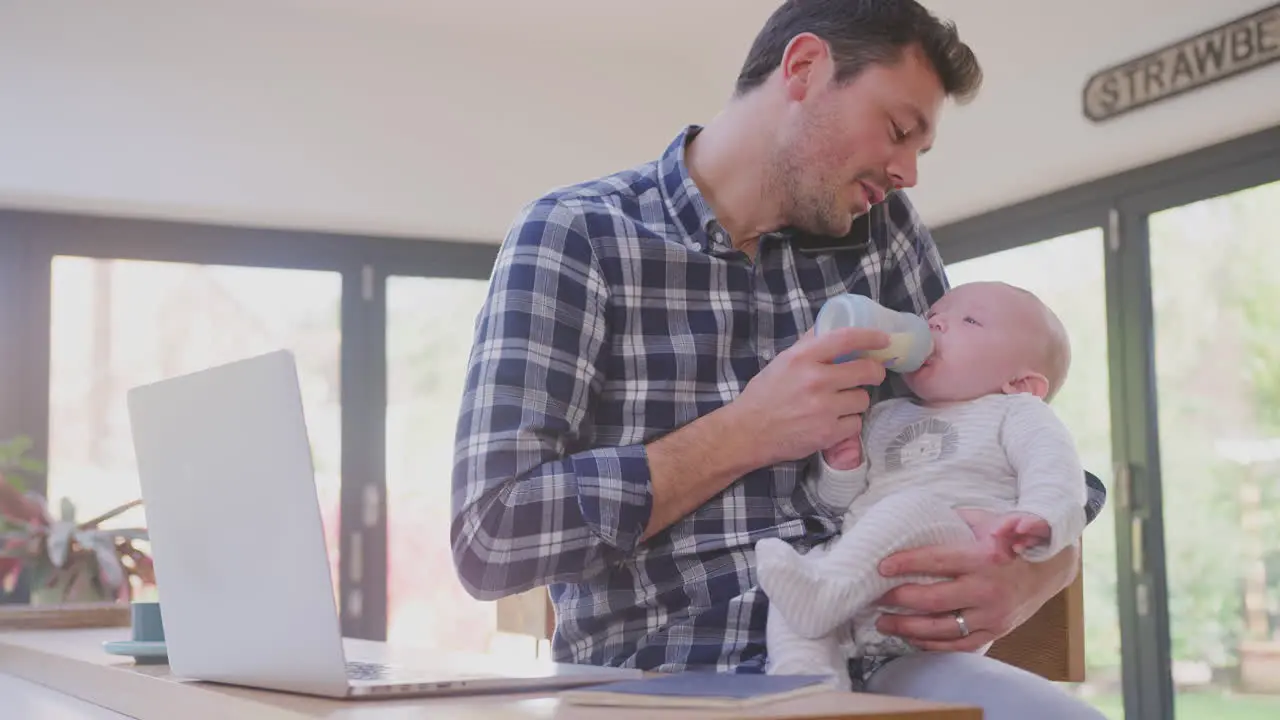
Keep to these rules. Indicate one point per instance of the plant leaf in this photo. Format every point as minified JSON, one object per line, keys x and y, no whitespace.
{"x":12,"y":503}
{"x":13,"y":449}
{"x":60,"y":542}
{"x":13,"y":547}
{"x":40,"y":573}
{"x":139,"y":565}
{"x":42,"y":505}
{"x":76,"y":585}
{"x":9,"y":577}
{"x":85,"y":538}
{"x":110,"y":570}
{"x":144,"y":569}
{"x":30,"y":465}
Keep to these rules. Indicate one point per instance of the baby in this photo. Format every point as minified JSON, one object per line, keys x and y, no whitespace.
{"x":977,"y":456}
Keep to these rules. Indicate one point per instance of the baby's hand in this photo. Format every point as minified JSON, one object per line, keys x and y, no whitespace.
{"x":844,"y":455}
{"x":1017,"y":532}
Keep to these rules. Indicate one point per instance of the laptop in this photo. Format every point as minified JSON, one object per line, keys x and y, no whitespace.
{"x":241,"y":565}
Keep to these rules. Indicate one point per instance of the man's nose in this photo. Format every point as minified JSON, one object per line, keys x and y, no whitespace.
{"x":937,"y":324}
{"x":903,"y":170}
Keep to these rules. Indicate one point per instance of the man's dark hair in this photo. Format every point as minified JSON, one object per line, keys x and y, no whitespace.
{"x":862,"y":33}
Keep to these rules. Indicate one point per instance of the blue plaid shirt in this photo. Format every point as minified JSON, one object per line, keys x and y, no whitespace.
{"x":617,"y":312}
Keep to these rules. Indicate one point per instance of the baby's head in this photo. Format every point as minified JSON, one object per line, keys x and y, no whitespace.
{"x":992,"y":338}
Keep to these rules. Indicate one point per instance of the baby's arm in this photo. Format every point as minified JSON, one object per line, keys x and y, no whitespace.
{"x":837,"y":488}
{"x":840,"y":471}
{"x":1050,"y":511}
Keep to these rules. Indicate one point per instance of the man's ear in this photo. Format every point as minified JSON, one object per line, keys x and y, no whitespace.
{"x":800,"y":63}
{"x":1029,"y":382}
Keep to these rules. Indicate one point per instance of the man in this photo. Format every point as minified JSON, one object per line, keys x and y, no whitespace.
{"x":643,"y":395}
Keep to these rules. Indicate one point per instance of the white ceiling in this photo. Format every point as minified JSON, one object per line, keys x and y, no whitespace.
{"x":440,"y":118}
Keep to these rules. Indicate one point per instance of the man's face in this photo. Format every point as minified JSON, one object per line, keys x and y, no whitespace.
{"x":846,"y":145}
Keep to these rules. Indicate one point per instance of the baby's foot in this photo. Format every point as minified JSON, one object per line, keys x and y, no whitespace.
{"x":773,"y":556}
{"x":793,"y":582}
{"x":782,"y":573}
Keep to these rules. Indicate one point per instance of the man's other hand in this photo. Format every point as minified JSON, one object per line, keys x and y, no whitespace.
{"x":994,"y":597}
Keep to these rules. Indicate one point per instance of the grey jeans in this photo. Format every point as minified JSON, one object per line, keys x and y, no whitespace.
{"x":1002,"y":691}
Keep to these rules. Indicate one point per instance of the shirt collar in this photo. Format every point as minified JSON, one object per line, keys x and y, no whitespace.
{"x":689,"y":209}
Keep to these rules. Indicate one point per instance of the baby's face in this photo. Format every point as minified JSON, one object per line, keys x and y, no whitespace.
{"x":985,"y":335}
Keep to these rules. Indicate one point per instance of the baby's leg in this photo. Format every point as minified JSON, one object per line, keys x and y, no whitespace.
{"x":818,"y":592}
{"x":790,"y":654}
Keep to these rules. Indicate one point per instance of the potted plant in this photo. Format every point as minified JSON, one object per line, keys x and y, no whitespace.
{"x":69,"y":561}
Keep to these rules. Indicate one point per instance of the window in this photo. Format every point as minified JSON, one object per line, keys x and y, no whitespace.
{"x":1191,"y":327}
{"x":1217,"y":352}
{"x":93,"y":306}
{"x":121,"y":323}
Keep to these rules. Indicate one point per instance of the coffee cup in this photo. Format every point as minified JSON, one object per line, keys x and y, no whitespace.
{"x":144,"y":617}
{"x":146,"y":635}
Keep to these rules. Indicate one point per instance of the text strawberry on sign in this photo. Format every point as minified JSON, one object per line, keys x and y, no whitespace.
{"x":1244,"y":44}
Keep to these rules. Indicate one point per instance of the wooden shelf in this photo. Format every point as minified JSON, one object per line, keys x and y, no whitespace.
{"x":64,"y":617}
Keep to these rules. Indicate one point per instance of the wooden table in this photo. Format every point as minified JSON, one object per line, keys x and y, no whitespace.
{"x":71,"y":661}
{"x":29,"y":701}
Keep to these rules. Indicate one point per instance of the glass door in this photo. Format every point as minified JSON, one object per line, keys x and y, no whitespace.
{"x":1216,"y":303}
{"x":1067,"y":273}
{"x":430,"y":324}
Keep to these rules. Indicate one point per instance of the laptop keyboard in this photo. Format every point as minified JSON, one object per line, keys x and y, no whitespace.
{"x":373,"y":671}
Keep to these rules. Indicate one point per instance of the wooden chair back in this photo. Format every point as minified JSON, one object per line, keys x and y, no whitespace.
{"x":1050,"y":644}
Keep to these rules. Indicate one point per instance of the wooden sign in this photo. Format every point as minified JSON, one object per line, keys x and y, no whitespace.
{"x":1217,"y":54}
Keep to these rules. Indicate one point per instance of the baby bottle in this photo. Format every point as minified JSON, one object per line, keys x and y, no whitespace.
{"x":910,"y":341}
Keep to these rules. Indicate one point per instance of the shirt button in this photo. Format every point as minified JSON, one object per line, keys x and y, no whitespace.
{"x":767,"y":353}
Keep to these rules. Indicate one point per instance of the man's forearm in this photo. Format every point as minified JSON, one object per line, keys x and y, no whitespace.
{"x":689,"y":466}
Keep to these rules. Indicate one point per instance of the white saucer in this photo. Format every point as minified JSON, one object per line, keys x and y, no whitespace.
{"x":142,"y":652}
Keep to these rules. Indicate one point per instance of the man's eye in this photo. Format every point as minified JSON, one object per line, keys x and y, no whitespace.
{"x":971,"y":321}
{"x":897,"y":132}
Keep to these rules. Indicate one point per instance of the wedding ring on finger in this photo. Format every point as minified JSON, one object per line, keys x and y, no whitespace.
{"x":964,"y":626}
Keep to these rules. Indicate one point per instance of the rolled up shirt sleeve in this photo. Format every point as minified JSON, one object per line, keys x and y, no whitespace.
{"x":533,"y":503}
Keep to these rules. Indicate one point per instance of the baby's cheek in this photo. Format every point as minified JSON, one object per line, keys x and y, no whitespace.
{"x":916,"y":384}
{"x":929,"y":388}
